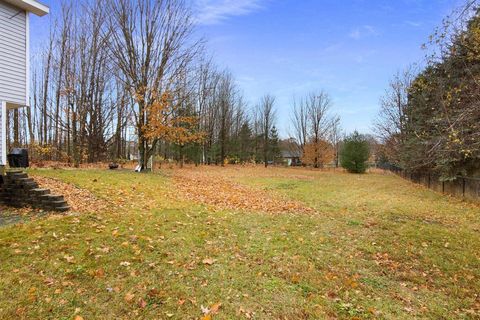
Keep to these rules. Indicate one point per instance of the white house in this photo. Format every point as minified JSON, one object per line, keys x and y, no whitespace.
{"x":14,"y":59}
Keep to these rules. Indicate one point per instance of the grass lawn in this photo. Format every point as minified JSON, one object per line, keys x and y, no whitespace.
{"x":374,"y":246}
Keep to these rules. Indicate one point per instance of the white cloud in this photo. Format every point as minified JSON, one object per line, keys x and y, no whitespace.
{"x":216,"y":11}
{"x":362,"y":32}
{"x":415,"y":24}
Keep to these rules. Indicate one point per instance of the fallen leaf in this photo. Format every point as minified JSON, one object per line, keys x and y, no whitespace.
{"x":208,"y":261}
{"x":142,"y":303}
{"x":129,"y":297}
{"x":20,"y":311}
{"x":153,"y":293}
{"x":70,"y":259}
{"x":214,"y":309}
{"x":100,"y":273}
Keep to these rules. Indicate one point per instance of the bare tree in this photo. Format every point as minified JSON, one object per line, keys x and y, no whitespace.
{"x":312,"y":123}
{"x":107,"y":63}
{"x":46,"y":79}
{"x":391,"y":123}
{"x":151,"y":45}
{"x":319,"y":122}
{"x":335,"y":137}
{"x":206,"y":85}
{"x":61,"y":63}
{"x":300,"y":122}
{"x":267,"y":115}
{"x":226,"y":104}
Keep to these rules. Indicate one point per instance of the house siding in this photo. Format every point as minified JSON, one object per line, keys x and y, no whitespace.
{"x":13,"y":52}
{"x":3,"y":133}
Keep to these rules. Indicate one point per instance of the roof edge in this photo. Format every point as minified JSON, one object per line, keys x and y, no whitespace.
{"x":32,"y":6}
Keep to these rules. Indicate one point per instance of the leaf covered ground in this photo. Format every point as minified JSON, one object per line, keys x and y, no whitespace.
{"x":219,"y":191}
{"x":359,"y":247}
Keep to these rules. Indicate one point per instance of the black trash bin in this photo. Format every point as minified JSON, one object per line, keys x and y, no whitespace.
{"x":18,"y":158}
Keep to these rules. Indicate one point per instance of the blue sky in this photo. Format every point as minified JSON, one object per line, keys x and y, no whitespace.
{"x":287,"y":48}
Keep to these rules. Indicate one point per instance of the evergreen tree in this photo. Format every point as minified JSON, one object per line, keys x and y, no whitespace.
{"x":274,"y":145}
{"x":355,"y":153}
{"x":439,"y":123}
{"x":245,"y":143}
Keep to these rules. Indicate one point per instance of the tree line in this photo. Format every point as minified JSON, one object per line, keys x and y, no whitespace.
{"x":430,"y":117}
{"x":123,"y":79}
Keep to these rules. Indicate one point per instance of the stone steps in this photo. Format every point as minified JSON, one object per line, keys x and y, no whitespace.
{"x":18,"y":190}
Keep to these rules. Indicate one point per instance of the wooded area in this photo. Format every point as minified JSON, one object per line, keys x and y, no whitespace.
{"x":126,"y":79}
{"x":430,"y":119}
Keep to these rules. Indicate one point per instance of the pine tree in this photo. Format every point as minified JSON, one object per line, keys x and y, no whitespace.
{"x":274,"y":145}
{"x":245,"y":142}
{"x":355,"y":153}
{"x":443,"y":114}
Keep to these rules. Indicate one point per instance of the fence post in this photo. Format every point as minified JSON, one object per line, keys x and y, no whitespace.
{"x":475,"y":188}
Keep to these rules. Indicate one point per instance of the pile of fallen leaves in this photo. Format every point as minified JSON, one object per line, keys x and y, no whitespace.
{"x":222,"y":193}
{"x":79,"y":200}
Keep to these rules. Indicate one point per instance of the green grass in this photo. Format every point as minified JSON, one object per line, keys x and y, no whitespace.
{"x":379,"y":247}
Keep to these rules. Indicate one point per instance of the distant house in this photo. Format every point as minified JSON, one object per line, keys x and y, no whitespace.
{"x":291,"y":158}
{"x":14,"y":59}
{"x":291,"y":153}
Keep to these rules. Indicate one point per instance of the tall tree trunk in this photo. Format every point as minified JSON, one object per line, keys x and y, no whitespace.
{"x":31,"y":135}
{"x":182,"y":156}
{"x":45,"y":92}
{"x":265,"y":149}
{"x":76,"y":156}
{"x":57,"y":102}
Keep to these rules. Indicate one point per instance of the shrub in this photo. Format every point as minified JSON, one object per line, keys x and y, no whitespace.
{"x":355,"y":153}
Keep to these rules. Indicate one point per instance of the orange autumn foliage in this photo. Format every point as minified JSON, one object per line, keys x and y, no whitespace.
{"x":318,"y":154}
{"x":165,"y":122}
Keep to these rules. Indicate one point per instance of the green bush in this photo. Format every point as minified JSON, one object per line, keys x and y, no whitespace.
{"x":355,"y":153}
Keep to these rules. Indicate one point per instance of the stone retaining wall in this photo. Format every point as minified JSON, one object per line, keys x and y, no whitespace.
{"x":18,"y":190}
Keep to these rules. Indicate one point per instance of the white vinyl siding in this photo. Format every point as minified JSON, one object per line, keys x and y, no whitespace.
{"x":13,"y":54}
{"x":3,"y":133}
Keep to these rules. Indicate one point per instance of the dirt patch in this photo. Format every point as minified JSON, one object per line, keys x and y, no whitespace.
{"x":79,"y":200}
{"x":222,"y":193}
{"x":11,"y":216}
